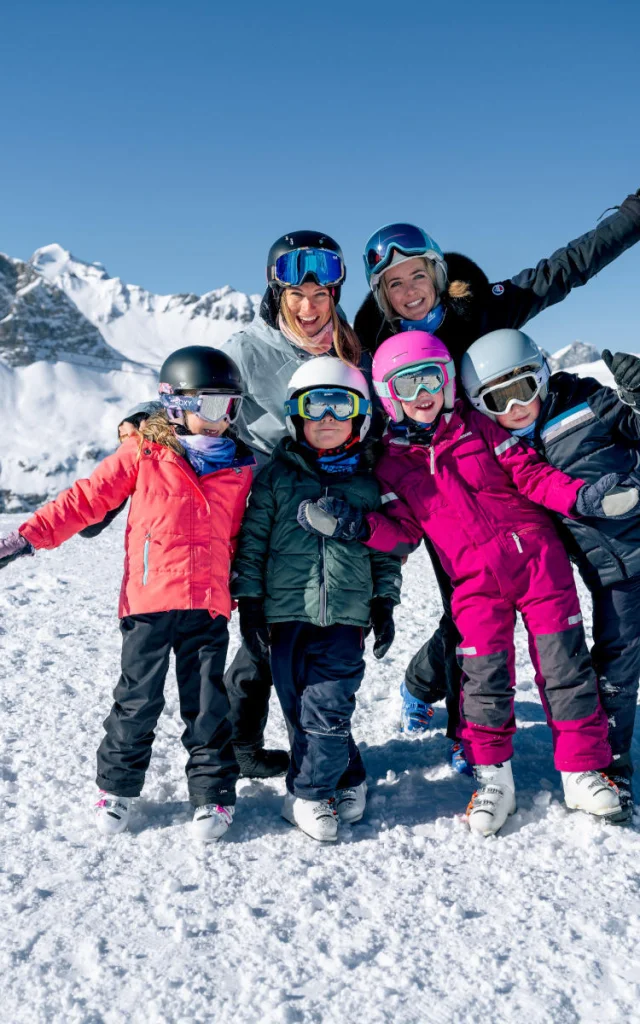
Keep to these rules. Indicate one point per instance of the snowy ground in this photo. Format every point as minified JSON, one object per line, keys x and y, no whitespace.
{"x":407,"y":919}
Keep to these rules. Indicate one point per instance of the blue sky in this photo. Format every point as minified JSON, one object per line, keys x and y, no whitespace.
{"x":174,"y":142}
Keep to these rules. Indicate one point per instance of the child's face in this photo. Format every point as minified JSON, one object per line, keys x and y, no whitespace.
{"x":521,"y":416}
{"x":327,"y":432}
{"x":425,"y":407}
{"x":197,"y":425}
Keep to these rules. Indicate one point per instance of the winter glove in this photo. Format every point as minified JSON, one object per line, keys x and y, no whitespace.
{"x":607,"y":499}
{"x":253,"y":626}
{"x":13,"y":546}
{"x":384,"y":630}
{"x":626,"y":373}
{"x":332,"y":517}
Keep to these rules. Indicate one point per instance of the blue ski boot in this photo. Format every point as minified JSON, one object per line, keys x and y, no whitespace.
{"x":416,"y":715}
{"x":458,"y":760}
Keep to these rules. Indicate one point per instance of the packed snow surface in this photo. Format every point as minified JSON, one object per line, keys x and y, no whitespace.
{"x":407,"y":919}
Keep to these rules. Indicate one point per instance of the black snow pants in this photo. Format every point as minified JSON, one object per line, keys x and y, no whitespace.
{"x":616,"y":659}
{"x":200,"y":646}
{"x":434,"y":673}
{"x":248,"y":685}
{"x":316,"y":672}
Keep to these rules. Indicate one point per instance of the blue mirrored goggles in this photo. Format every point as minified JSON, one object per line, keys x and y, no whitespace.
{"x":320,"y":402}
{"x":207,"y":405}
{"x":404,"y":238}
{"x":292,"y":268}
{"x":407,"y":385}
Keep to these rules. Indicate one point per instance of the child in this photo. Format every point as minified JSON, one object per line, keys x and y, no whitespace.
{"x":311,"y":601}
{"x":188,"y":496}
{"x":452,"y":474}
{"x":582,"y":427}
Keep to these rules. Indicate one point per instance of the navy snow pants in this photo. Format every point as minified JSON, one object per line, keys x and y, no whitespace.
{"x":200,"y":645}
{"x":616,"y":659}
{"x":316,"y":672}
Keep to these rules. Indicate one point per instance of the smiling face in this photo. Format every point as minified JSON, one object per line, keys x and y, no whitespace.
{"x":425,"y":407}
{"x":327,"y":432}
{"x":410,"y":289}
{"x":521,"y":416}
{"x":310,"y":307}
{"x":197,"y":425}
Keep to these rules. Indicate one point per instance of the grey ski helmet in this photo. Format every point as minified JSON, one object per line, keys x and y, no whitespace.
{"x":499,"y":354}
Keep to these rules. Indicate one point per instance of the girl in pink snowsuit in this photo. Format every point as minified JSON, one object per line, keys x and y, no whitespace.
{"x":457,"y":477}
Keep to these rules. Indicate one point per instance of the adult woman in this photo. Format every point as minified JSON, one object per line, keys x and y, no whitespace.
{"x":415,"y":286}
{"x":299,"y":319}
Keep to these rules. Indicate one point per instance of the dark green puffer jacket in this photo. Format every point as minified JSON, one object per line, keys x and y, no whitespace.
{"x":301,"y":577}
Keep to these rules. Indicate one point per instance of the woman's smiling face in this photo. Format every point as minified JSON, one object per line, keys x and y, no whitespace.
{"x":410,"y":289}
{"x":310,"y":305}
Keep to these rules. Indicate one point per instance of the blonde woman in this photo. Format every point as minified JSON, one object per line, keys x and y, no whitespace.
{"x":299,"y":319}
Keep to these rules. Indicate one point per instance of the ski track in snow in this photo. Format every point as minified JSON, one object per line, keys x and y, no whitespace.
{"x":408,"y":918}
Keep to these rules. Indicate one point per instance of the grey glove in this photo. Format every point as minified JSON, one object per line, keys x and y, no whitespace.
{"x":626,"y":374}
{"x":607,"y":499}
{"x":13,"y":546}
{"x":332,"y":517}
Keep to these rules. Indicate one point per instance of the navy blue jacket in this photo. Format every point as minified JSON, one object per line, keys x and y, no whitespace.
{"x":584,"y":429}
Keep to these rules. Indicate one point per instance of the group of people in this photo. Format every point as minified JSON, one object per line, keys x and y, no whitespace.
{"x":295,"y":469}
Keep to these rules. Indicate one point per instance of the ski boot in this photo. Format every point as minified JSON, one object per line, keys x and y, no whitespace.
{"x":350,"y":803}
{"x":211,"y":821}
{"x":458,"y":759}
{"x":318,"y":818}
{"x":259,"y":763}
{"x":415,"y":715}
{"x":593,"y":792}
{"x":620,"y":772}
{"x":112,"y":813}
{"x":494,"y":799}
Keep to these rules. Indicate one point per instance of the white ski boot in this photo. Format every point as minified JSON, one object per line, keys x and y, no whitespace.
{"x":112,"y":813}
{"x":350,"y":803}
{"x":211,"y":821}
{"x":318,"y":818}
{"x":591,"y":791}
{"x":494,"y":799}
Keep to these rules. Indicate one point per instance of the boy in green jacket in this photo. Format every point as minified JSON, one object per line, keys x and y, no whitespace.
{"x":312,"y":600}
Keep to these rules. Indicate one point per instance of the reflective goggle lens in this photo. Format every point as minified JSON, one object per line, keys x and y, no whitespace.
{"x":317,"y":403}
{"x":519,"y":391}
{"x":212,"y":407}
{"x":406,"y":238}
{"x":293,"y":267}
{"x":409,"y":384}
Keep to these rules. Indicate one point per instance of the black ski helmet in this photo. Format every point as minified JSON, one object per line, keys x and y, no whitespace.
{"x":302,"y":240}
{"x":201,"y":368}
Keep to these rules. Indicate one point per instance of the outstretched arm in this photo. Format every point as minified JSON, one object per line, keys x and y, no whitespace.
{"x":516,"y":301}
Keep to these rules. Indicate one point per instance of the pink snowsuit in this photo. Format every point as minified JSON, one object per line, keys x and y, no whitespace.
{"x":471,"y":492}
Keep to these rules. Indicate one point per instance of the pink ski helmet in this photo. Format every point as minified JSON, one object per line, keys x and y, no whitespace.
{"x":401,"y":352}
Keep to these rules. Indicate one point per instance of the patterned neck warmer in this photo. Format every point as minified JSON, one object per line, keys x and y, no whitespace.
{"x":208,"y":454}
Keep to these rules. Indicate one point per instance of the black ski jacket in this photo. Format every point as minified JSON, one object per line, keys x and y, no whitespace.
{"x":584,"y":429}
{"x":514,"y":302}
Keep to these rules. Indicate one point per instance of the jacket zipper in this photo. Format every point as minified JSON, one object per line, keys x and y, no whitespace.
{"x":145,"y":559}
{"x":323,"y":577}
{"x":432,"y":459}
{"x":517,"y":542}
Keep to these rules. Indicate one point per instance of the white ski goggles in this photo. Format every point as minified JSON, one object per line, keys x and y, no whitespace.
{"x":499,"y":399}
{"x":207,"y":405}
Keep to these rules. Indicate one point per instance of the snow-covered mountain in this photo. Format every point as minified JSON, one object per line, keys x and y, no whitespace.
{"x":79,"y":348}
{"x":575,"y":354}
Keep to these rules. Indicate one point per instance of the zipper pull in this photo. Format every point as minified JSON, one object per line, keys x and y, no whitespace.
{"x":517,"y":542}
{"x":432,"y":459}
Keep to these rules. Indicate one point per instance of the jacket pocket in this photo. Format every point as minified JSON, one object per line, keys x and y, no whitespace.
{"x":145,"y":559}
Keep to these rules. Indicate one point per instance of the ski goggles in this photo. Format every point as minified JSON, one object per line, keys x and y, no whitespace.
{"x":404,"y":238}
{"x":293,"y":267}
{"x":319,"y":402}
{"x":407,"y":385}
{"x":499,"y":398}
{"x":206,"y":405}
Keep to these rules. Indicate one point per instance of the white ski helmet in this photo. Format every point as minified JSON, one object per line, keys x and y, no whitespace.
{"x":496,"y":355}
{"x":329,"y":372}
